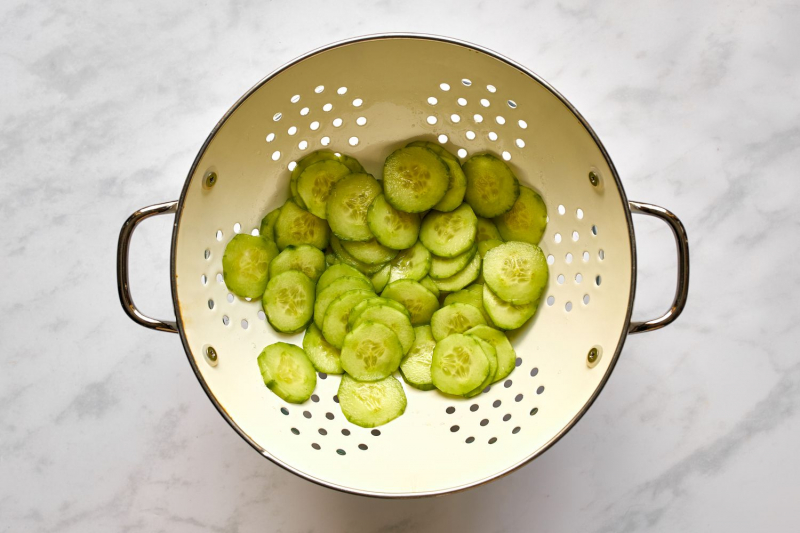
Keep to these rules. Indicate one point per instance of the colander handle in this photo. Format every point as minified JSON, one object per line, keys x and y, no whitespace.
{"x":682,"y":290}
{"x":123,"y":247}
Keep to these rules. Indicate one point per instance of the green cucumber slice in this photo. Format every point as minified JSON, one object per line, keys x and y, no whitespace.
{"x":473,"y":295}
{"x":458,"y":365}
{"x":377,"y":300}
{"x":505,"y":315}
{"x":455,"y":318}
{"x":429,"y":284}
{"x":516,"y":272}
{"x":457,"y":183}
{"x":304,"y":258}
{"x":267,"y":228}
{"x":463,"y":278}
{"x":393,"y":319}
{"x":392,"y":228}
{"x":416,"y":366}
{"x":414,"y":179}
{"x":449,"y":234}
{"x":334,"y":326}
{"x":381,"y":278}
{"x":321,"y":155}
{"x":245,"y":264}
{"x":334,"y":272}
{"x":296,"y":226}
{"x":487,"y":230}
{"x":485,"y":246}
{"x":289,"y":301}
{"x":527,"y":219}
{"x":444,"y":267}
{"x":506,"y":356}
{"x":336,"y":288}
{"x":413,"y":263}
{"x":492,"y":188}
{"x":287,"y":372}
{"x":370,"y":252}
{"x":323,"y":355}
{"x":420,"y":302}
{"x":435,"y":148}
{"x":371,"y":404}
{"x":491,"y":355}
{"x":371,"y":352}
{"x":315,"y":184}
{"x":347,"y":206}
{"x":346,"y":258}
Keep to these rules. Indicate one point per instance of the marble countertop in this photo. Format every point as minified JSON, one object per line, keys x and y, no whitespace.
{"x":103,"y":426}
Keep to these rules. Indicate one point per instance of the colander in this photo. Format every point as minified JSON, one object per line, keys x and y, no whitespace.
{"x":367,"y":97}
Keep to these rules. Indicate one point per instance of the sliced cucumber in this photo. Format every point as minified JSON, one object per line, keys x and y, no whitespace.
{"x":381,"y":278}
{"x":516,"y":272}
{"x":413,"y":263}
{"x":371,"y":352}
{"x":245,"y":264}
{"x":419,"y":301}
{"x":315,"y":184}
{"x":371,"y":404}
{"x":377,"y":300}
{"x":305,"y":258}
{"x":347,"y":206}
{"x":334,"y":272}
{"x":289,"y":301}
{"x":323,"y":355}
{"x":335,"y":289}
{"x":491,"y":355}
{"x":526,"y":221}
{"x":449,"y":234}
{"x":416,"y":366}
{"x":334,"y":326}
{"x":321,"y":155}
{"x":458,"y":365}
{"x":506,"y":356}
{"x":506,"y":315}
{"x":487,"y":230}
{"x":287,"y":372}
{"x":457,"y":183}
{"x":444,"y":267}
{"x":461,"y":279}
{"x":267,"y":228}
{"x":414,"y":179}
{"x":392,"y":228}
{"x":345,"y":257}
{"x":473,"y":295}
{"x":492,"y":188}
{"x":455,"y":318}
{"x":485,"y":246}
{"x":435,"y":148}
{"x":370,"y":252}
{"x":429,"y":284}
{"x":296,"y":226}
{"x":393,"y":319}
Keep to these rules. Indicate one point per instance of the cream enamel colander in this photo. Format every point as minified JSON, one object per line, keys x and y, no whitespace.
{"x":366,"y":97}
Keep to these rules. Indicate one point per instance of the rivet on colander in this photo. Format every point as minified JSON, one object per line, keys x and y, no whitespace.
{"x":593,"y":357}
{"x":211,"y":353}
{"x":594,"y":179}
{"x":210,"y":180}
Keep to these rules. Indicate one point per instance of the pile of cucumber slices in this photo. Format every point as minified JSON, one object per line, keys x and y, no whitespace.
{"x":419,"y":272}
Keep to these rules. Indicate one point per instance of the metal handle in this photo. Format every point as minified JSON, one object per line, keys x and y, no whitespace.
{"x":682,"y":244}
{"x":123,"y":247}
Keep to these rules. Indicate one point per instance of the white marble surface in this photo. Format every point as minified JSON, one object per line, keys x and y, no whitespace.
{"x":103,"y":426}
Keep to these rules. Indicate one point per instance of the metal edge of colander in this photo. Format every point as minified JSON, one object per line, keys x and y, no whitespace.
{"x":548,"y":444}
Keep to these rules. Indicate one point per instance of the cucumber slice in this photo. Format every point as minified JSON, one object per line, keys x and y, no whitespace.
{"x":455,"y":318}
{"x":429,"y":284}
{"x":345,"y":257}
{"x":435,"y":148}
{"x":413,"y":263}
{"x":420,"y":302}
{"x":289,"y":301}
{"x":463,"y":278}
{"x":416,"y":366}
{"x":444,"y":267}
{"x":473,"y":295}
{"x":487,"y":230}
{"x":377,"y":300}
{"x":506,"y":315}
{"x":370,"y":252}
{"x":491,"y":355}
{"x":392,"y":228}
{"x":347,"y":206}
{"x":245,"y":265}
{"x":315,"y":183}
{"x":516,"y":272}
{"x":267,"y":228}
{"x":323,"y":355}
{"x":506,"y":356}
{"x":336,"y":288}
{"x":321,"y":155}
{"x":334,"y":272}
{"x":457,"y":183}
{"x":304,"y":258}
{"x":414,"y":179}
{"x":449,"y":234}
{"x":371,"y":404}
{"x":492,"y":188}
{"x":296,"y":226}
{"x":287,"y":372}
{"x":334,"y":326}
{"x":526,"y":221}
{"x":393,"y":319}
{"x":381,"y":278}
{"x":485,"y":246}
{"x":371,"y":352}
{"x":458,"y":365}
